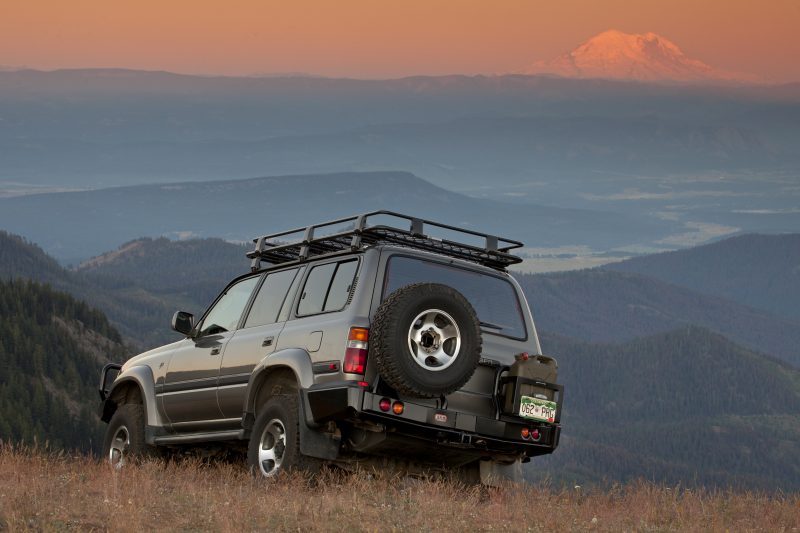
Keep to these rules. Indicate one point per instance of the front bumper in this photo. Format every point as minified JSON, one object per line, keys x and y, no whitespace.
{"x":501,"y":435}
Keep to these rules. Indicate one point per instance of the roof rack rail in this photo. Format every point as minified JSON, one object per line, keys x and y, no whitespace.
{"x":284,"y":247}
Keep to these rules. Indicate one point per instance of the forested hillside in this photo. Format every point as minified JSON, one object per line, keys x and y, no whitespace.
{"x":687,"y":406}
{"x":192,"y":271}
{"x":605,"y":306}
{"x":139,"y":285}
{"x":683,"y":406}
{"x":51,"y":351}
{"x":762,"y":271}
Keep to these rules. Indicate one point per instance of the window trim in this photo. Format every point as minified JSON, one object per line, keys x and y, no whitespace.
{"x":455,"y":265}
{"x":300,"y":290}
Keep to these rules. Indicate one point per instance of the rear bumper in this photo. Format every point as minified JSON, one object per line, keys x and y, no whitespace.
{"x":500,"y":435}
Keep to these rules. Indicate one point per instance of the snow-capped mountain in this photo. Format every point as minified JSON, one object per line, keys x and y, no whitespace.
{"x":614,"y":54}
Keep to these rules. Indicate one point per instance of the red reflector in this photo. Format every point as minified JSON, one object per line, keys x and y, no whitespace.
{"x":385,"y":404}
{"x":535,"y":435}
{"x":525,"y":433}
{"x":363,"y":384}
{"x":397,"y":408}
{"x":355,"y":361}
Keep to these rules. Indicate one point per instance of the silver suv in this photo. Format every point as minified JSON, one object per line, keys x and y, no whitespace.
{"x":363,"y":340}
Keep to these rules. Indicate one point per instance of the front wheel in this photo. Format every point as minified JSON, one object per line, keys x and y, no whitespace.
{"x":124,"y":441}
{"x":275,"y":441}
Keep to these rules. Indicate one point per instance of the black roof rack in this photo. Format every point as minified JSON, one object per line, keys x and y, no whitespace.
{"x":358,"y":233}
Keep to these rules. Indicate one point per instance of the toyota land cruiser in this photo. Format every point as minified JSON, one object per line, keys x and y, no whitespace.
{"x":362,"y":339}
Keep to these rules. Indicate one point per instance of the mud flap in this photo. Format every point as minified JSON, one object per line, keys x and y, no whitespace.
{"x":315,"y":443}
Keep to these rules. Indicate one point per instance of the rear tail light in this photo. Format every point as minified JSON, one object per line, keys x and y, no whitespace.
{"x":355,"y":356}
{"x":385,"y":404}
{"x":530,"y":434}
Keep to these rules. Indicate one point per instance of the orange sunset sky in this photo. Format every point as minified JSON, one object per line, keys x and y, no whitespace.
{"x":381,"y":38}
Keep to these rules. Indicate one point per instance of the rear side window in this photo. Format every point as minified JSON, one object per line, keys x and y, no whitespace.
{"x":270,"y":297}
{"x":494,"y":299}
{"x":328,"y":287}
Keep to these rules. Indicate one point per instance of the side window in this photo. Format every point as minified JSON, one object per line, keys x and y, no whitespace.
{"x":270,"y":297}
{"x":340,"y":286}
{"x":328,"y":287}
{"x":225,"y":314}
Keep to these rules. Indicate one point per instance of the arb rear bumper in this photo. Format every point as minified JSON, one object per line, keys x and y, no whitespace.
{"x":502,"y":434}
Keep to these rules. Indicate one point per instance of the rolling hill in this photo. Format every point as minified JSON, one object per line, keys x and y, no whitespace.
{"x":140,"y":284}
{"x":141,"y":316}
{"x":192,"y":271}
{"x":66,"y":224}
{"x":762,"y":271}
{"x":607,"y":306}
{"x":683,"y":407}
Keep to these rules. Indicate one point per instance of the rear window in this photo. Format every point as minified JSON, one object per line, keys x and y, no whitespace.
{"x":494,"y":299}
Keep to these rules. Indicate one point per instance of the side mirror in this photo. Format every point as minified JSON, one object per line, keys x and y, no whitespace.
{"x":183,"y":322}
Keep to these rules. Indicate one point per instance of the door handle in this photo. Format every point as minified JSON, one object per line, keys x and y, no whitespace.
{"x":215,"y":351}
{"x":268,"y":341}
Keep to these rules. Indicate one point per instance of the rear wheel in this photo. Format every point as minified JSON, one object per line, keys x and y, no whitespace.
{"x":124,"y":441}
{"x":275,"y":441}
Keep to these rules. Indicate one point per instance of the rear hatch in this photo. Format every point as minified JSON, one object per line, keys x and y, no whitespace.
{"x":506,"y":325}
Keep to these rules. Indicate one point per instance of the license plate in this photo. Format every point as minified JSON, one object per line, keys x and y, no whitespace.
{"x":537,"y":409}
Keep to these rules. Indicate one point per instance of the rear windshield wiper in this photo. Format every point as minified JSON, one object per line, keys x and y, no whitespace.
{"x":491,"y":326}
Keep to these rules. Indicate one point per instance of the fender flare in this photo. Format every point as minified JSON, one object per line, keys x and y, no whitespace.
{"x":295,"y":359}
{"x":142,"y":377}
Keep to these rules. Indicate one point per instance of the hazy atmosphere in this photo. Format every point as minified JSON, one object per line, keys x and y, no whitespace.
{"x":645,"y":156}
{"x":366,"y":39}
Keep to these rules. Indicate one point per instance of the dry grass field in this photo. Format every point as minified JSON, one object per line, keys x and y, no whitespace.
{"x":54,"y":492}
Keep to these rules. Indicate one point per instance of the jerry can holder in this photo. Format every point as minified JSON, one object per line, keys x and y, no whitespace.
{"x":514,"y":384}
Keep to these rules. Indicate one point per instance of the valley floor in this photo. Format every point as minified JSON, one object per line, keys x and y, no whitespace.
{"x":45,"y":491}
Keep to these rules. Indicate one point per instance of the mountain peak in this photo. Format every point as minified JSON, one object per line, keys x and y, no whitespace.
{"x":614,"y":54}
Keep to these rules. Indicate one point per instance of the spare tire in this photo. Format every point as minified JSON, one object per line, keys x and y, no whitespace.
{"x":425,"y":340}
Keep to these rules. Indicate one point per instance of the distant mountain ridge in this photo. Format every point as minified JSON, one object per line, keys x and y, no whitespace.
{"x":762,"y":271}
{"x":66,"y":224}
{"x":118,"y":127}
{"x":613,"y":54}
{"x":608,"y":306}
